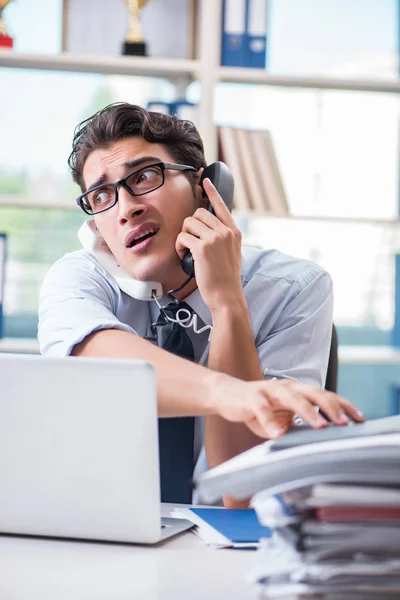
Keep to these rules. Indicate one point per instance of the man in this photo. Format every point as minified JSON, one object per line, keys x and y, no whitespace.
{"x":271,"y":314}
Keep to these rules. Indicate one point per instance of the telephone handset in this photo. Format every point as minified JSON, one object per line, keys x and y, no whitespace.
{"x":92,"y":241}
{"x":222,"y":179}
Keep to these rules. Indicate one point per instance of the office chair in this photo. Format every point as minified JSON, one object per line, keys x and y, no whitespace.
{"x":332,"y":372}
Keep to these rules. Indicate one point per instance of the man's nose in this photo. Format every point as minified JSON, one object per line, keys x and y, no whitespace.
{"x":129,"y":206}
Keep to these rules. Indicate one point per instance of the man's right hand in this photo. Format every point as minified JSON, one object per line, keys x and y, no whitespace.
{"x":186,"y":389}
{"x":268,"y":407}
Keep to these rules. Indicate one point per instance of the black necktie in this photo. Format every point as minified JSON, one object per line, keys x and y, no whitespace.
{"x":176,"y":435}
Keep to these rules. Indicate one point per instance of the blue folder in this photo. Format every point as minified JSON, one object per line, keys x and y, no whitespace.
{"x":233,"y":51}
{"x":241,"y":526}
{"x":256,"y":34}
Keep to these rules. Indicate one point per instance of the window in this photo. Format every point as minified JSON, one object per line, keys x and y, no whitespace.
{"x":36,"y":238}
{"x":37,"y":195}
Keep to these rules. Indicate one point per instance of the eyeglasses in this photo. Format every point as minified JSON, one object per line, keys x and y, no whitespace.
{"x":138,"y":183}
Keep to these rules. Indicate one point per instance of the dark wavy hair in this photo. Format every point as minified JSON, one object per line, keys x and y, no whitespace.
{"x":121,"y":120}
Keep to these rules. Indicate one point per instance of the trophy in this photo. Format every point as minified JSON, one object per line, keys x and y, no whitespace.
{"x":5,"y":40}
{"x":134,"y":44}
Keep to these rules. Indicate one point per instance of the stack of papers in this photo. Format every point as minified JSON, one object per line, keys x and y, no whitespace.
{"x":225,"y":528}
{"x":337,"y":530}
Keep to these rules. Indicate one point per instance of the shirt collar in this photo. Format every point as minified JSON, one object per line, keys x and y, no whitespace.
{"x":194,"y":300}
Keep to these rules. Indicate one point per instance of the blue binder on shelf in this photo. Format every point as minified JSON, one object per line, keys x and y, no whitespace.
{"x":256,"y":34}
{"x":233,"y":51}
{"x":3,"y":241}
{"x":244,"y":33}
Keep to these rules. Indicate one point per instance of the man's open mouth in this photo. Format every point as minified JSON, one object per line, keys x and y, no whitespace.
{"x":141,"y":234}
{"x":141,"y":238}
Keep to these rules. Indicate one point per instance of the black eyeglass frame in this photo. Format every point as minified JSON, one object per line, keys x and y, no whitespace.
{"x":163,"y":166}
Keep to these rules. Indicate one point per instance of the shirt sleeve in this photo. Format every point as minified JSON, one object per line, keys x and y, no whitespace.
{"x":297,"y":344}
{"x":76,"y":299}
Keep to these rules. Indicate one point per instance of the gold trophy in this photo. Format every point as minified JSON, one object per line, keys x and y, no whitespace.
{"x":5,"y":40}
{"x":134,"y":44}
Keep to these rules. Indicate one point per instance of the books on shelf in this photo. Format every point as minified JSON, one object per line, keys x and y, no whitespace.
{"x":249,"y":167}
{"x":3,"y":239}
{"x":229,"y":155}
{"x":264,"y":155}
{"x":244,"y":33}
{"x":251,"y":156}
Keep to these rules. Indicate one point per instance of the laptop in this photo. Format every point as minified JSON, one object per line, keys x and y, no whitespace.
{"x":79,"y":450}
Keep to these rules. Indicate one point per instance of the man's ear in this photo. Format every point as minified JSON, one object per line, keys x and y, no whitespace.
{"x":202,"y":200}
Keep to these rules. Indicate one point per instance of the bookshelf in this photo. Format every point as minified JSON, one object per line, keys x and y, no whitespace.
{"x":207,"y":71}
{"x":119,"y":65}
{"x":194,"y":69}
{"x":261,"y":77}
{"x":322,"y":218}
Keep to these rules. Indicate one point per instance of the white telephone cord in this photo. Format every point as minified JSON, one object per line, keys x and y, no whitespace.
{"x":189,"y":320}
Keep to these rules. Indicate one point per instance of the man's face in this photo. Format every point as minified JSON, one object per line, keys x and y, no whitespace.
{"x":162,"y":211}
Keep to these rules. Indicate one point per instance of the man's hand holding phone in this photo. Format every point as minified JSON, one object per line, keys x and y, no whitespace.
{"x":215,"y":243}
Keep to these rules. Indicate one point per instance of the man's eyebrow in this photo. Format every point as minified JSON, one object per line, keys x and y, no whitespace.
{"x":131,"y":164}
{"x":98,"y":181}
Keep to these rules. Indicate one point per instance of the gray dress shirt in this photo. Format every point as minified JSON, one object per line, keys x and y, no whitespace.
{"x":290,"y":305}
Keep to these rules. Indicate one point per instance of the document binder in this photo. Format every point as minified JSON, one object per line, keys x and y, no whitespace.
{"x":298,"y":436}
{"x":256,"y":36}
{"x":233,"y":52}
{"x":362,"y":453}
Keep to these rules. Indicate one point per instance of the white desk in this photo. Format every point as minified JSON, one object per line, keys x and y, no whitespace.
{"x":182,"y":568}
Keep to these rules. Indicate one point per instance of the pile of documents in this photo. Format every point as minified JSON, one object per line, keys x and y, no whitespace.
{"x":336,"y":523}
